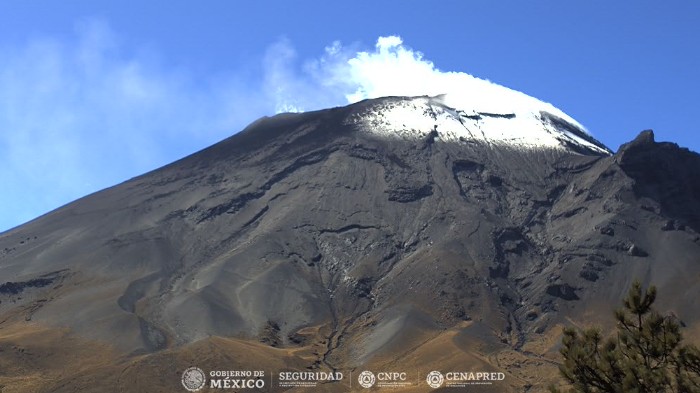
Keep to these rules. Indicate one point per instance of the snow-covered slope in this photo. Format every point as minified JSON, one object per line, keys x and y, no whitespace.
{"x":529,"y":126}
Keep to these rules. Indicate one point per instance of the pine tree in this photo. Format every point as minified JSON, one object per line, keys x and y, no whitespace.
{"x":646,"y":355}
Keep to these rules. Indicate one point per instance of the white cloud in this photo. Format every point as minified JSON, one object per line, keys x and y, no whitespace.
{"x":81,"y":114}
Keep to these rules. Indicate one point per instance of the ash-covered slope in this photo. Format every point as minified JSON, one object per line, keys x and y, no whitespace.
{"x":393,"y":230}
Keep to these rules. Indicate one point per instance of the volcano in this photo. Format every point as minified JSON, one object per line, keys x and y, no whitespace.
{"x":402,"y":234}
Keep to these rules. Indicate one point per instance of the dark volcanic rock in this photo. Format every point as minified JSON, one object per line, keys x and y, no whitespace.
{"x":410,"y":194}
{"x":563,"y":291}
{"x":13,"y":288}
{"x":636,"y":251}
{"x":607,"y":231}
{"x":666,"y":174}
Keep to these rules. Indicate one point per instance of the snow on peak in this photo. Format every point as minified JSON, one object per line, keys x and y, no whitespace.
{"x":525,"y":127}
{"x":462,"y":104}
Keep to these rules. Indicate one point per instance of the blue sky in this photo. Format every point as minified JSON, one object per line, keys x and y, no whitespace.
{"x":95,"y":92}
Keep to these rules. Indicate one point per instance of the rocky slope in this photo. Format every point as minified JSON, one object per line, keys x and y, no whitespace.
{"x":423,"y":237}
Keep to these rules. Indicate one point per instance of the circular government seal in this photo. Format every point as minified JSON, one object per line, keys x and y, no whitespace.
{"x":366,"y":379}
{"x":193,"y":379}
{"x":435,"y":379}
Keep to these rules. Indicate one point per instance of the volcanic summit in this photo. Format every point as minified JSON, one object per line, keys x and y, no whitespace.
{"x":413,"y":233}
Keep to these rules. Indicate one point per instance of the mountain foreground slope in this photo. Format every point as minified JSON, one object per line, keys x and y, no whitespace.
{"x":392,"y":234}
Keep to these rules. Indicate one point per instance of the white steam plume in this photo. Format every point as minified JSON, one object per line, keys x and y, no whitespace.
{"x":344,"y":76}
